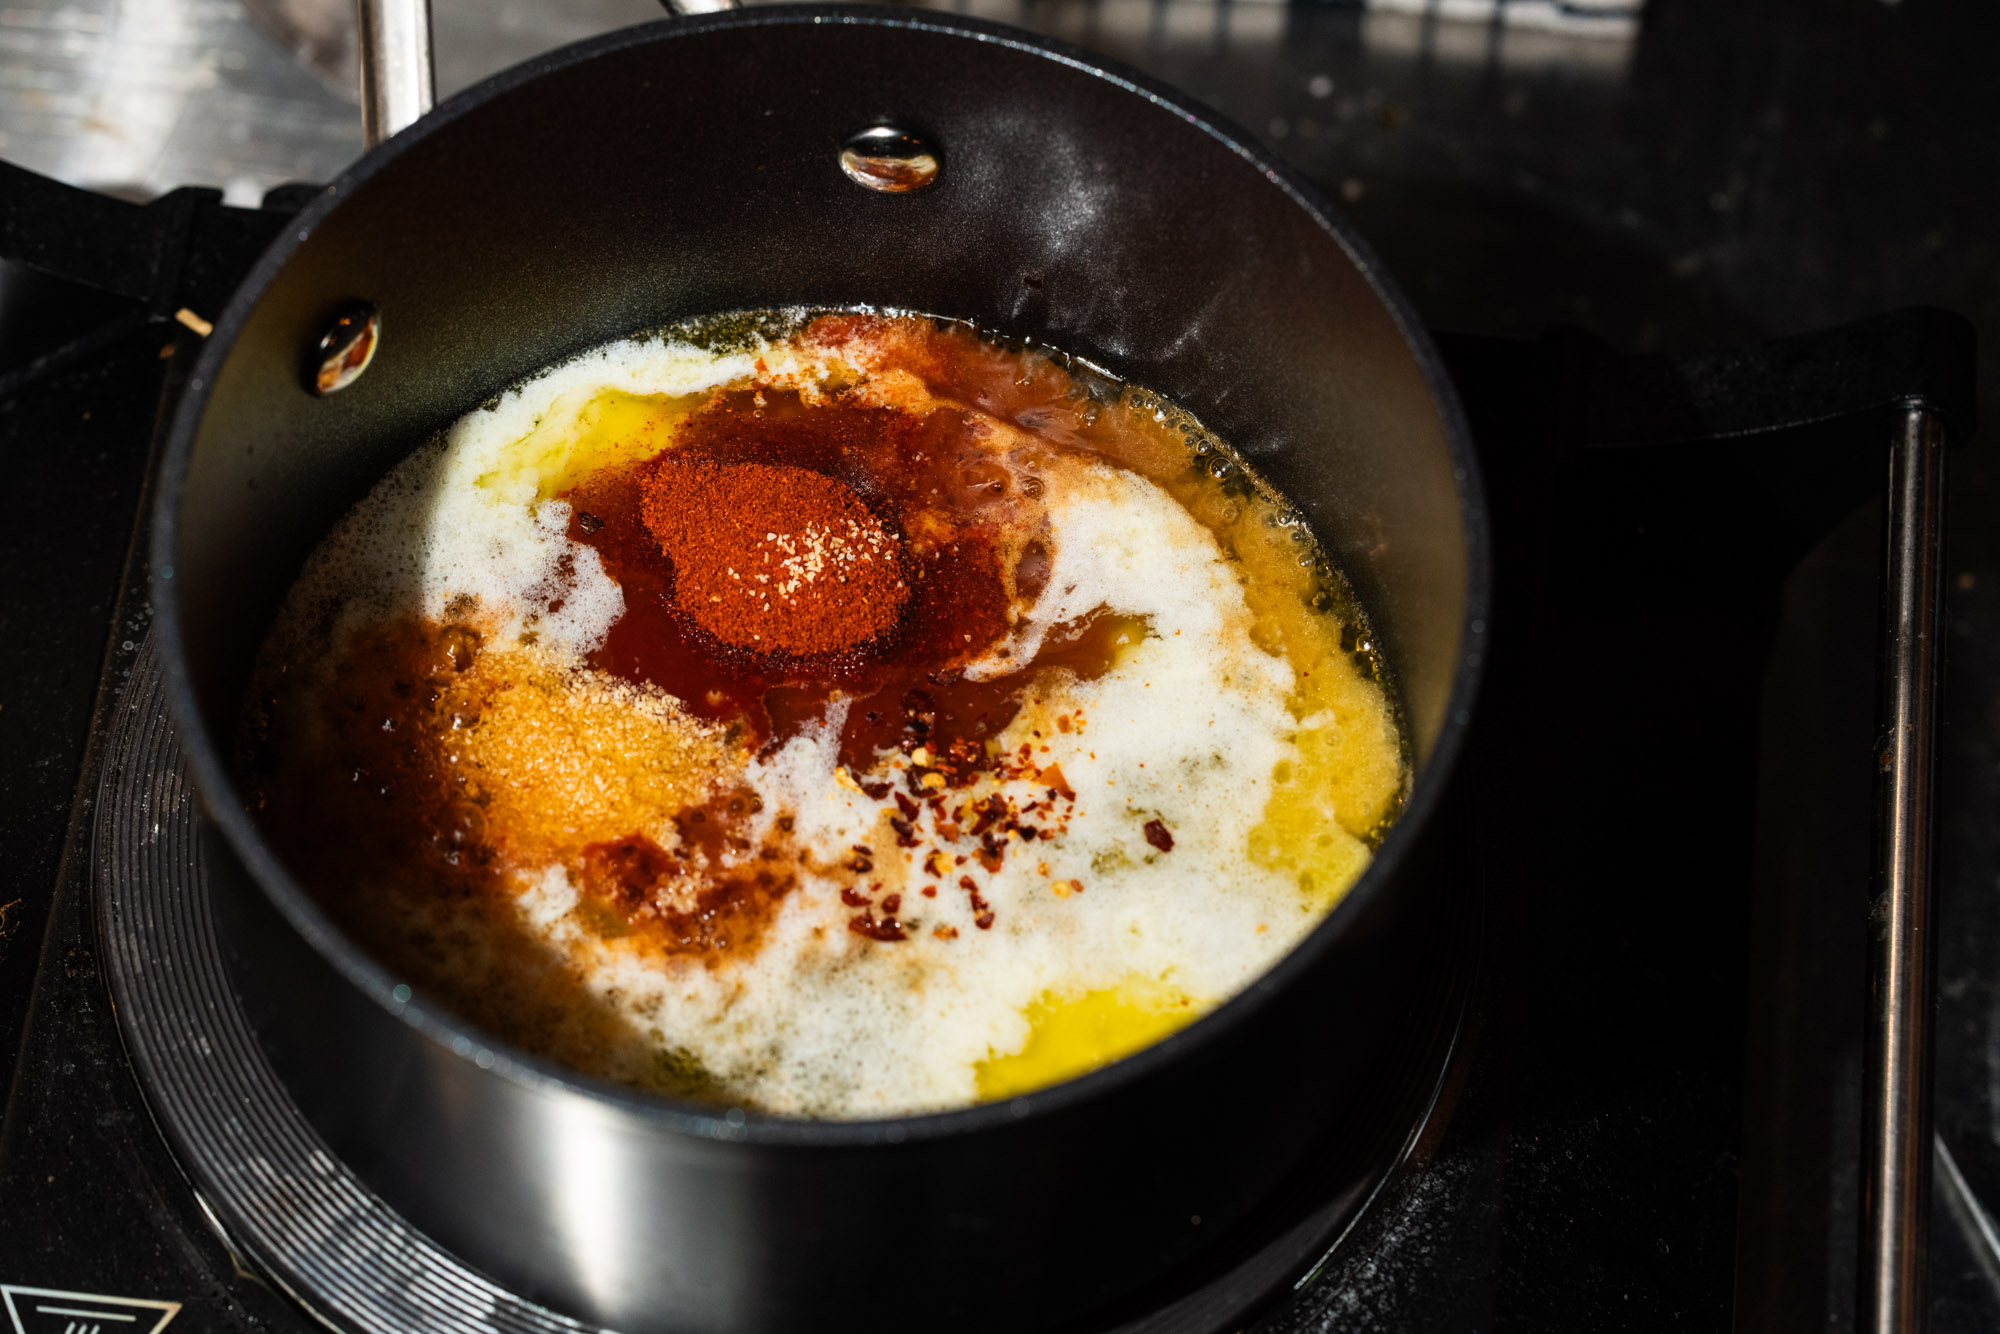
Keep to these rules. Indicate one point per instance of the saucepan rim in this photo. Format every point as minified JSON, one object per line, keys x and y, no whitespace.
{"x":223,"y":806}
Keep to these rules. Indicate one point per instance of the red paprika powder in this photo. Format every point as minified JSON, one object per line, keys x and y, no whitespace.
{"x":774,"y":558}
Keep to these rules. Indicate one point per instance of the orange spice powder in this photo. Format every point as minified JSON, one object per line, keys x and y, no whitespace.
{"x":774,"y":558}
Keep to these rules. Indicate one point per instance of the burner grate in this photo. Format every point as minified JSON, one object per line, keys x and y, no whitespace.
{"x":265,"y":1180}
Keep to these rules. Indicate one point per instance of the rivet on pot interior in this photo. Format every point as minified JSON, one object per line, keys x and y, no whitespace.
{"x":345,"y":349}
{"x":889,"y":160}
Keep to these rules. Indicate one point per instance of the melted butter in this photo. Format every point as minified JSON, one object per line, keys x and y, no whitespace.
{"x":1071,"y":1035}
{"x":1332,"y":799}
{"x":585,"y":434}
{"x":603,"y":769}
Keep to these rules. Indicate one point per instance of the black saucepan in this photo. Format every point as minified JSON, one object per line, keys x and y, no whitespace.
{"x":691,"y":167}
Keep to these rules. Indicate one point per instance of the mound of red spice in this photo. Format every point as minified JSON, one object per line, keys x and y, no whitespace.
{"x":774,"y":558}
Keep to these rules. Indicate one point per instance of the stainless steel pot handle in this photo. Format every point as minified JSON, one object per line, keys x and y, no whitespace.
{"x":1902,"y":947}
{"x":398,"y":80}
{"x":398,"y":76}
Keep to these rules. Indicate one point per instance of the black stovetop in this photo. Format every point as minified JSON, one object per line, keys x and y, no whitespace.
{"x":1585,"y":1167}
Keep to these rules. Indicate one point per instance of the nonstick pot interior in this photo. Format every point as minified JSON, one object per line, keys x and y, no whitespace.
{"x":690,"y":168}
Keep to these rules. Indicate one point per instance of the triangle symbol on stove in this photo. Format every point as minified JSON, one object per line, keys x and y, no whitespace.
{"x":55,"y":1311}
